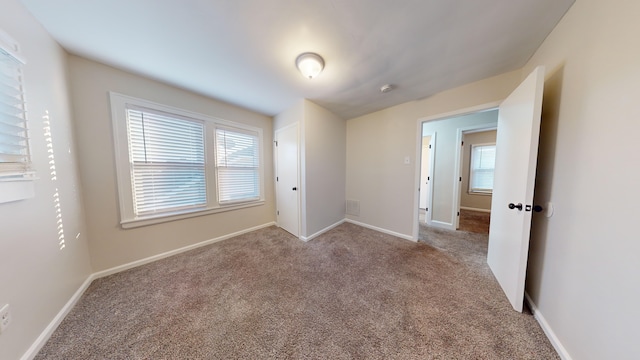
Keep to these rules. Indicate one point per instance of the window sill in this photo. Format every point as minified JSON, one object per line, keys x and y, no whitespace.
{"x":15,"y":190}
{"x":482,"y":193}
{"x":134,"y":223}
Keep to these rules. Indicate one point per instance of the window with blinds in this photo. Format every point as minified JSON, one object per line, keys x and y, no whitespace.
{"x":237,"y":165}
{"x":173,"y":164}
{"x":483,"y":161}
{"x":15,"y":162}
{"x":167,"y":155}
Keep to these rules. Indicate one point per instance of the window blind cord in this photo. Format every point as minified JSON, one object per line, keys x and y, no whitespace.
{"x":144,"y":139}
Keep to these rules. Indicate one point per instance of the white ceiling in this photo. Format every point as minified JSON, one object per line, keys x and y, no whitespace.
{"x":243,"y":51}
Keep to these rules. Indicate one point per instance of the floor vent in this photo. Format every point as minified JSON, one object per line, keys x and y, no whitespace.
{"x":353,"y":207}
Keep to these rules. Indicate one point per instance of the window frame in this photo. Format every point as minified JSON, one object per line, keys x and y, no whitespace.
{"x":471,"y":189}
{"x":219,"y":167}
{"x":128,"y":219}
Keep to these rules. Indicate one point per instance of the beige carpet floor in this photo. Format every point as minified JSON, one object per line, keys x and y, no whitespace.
{"x":351,"y":293}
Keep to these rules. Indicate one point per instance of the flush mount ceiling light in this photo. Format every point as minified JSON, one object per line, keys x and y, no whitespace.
{"x":310,"y":64}
{"x":386,"y":88}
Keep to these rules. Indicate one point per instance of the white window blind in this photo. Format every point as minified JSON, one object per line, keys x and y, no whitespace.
{"x":167,"y":156}
{"x":483,"y":161}
{"x":14,"y":141}
{"x":237,"y":165}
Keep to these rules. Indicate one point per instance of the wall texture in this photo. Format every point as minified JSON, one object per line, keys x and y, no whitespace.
{"x":110,"y":244}
{"x":40,"y":270}
{"x":584,"y":262}
{"x":469,"y":200}
{"x":325,"y":149}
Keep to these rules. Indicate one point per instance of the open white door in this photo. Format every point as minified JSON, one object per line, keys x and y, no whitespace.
{"x":426,"y":162}
{"x":287,"y":175}
{"x":514,"y":180}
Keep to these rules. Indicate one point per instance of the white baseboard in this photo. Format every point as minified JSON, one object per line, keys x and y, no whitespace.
{"x":385,"y":231}
{"x":307,"y":238}
{"x":153,"y":258}
{"x":442,"y":225}
{"x":562,"y":351}
{"x":53,"y":325}
{"x":475,"y":209}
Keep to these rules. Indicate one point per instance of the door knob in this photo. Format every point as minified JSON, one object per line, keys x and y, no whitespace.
{"x":295,"y":189}
{"x":514,"y":206}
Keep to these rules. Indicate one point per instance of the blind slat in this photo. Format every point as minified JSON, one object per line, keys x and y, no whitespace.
{"x":237,"y":163}
{"x":168,"y":162}
{"x":14,"y":142}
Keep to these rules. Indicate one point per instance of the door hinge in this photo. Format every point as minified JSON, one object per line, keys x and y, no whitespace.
{"x":428,"y":178}
{"x":276,"y":143}
{"x":460,"y":178}
{"x":462,"y":144}
{"x":427,"y":209}
{"x":277,"y":179}
{"x":458,"y":213}
{"x":278,"y":212}
{"x":429,"y":146}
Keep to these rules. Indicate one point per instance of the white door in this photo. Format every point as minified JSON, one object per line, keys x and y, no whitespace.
{"x":287,"y":175}
{"x":515,"y":172}
{"x":424,"y":172}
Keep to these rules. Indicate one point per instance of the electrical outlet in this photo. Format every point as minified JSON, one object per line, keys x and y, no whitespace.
{"x":5,"y":317}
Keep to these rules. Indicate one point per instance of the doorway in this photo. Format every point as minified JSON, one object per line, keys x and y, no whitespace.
{"x":474,"y":180}
{"x":514,"y":179}
{"x":442,"y":168}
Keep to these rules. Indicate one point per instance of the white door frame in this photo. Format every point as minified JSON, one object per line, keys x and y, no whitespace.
{"x":416,"y":194}
{"x":432,"y":152}
{"x":457,"y":183}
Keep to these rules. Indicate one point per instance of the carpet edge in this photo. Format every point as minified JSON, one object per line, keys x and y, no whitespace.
{"x":42,"y":339}
{"x":57,"y":320}
{"x":384,"y":231}
{"x":311,"y":237}
{"x":551,"y":335}
{"x":150,"y":259}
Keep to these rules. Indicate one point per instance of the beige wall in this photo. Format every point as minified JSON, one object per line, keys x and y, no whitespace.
{"x":474,"y":201}
{"x":584,"y":265}
{"x":111,"y":245}
{"x":323,"y":165}
{"x":377,"y":144}
{"x":325,"y":149}
{"x":444,"y":172}
{"x":37,"y":274}
{"x":294,"y":114}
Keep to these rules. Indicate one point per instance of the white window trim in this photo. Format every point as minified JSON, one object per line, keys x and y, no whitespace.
{"x":128,"y":219}
{"x":470,"y":190}
{"x":20,"y":184}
